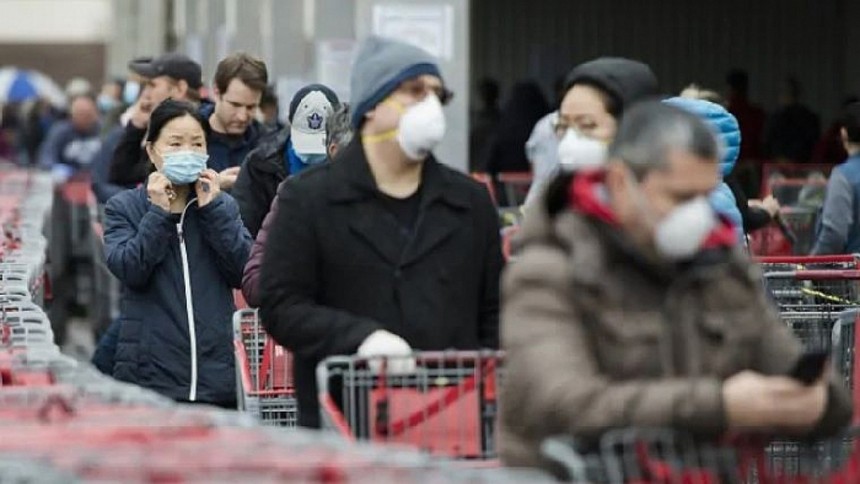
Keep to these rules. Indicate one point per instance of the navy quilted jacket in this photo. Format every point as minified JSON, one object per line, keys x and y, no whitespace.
{"x":155,"y":342}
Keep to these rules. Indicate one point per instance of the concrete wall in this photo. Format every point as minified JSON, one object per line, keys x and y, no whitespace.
{"x":289,"y":34}
{"x":139,"y":28}
{"x":60,"y":62}
{"x":684,"y":41}
{"x":55,"y":21}
{"x":61,"y":38}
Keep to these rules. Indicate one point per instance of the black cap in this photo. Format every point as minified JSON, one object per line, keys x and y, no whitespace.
{"x":626,"y":80}
{"x":176,"y":66}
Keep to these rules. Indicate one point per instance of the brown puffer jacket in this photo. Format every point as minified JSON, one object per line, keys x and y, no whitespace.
{"x":597,"y":338}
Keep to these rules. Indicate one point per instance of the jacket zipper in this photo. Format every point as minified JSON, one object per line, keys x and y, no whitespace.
{"x":189,"y":303}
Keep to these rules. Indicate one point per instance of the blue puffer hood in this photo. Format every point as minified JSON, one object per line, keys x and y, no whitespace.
{"x":721,"y":120}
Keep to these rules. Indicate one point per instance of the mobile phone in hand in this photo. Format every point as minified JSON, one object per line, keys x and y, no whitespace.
{"x":810,"y":366}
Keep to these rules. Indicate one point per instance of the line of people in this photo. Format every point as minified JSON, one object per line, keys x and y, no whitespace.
{"x":631,"y":301}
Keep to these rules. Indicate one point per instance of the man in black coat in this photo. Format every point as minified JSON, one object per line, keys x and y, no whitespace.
{"x":386,"y":250}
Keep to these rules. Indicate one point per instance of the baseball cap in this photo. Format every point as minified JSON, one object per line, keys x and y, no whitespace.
{"x":309,"y":110}
{"x":176,"y":66}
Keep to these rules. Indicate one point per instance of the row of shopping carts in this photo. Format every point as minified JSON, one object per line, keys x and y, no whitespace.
{"x":448,"y":406}
{"x":62,"y":421}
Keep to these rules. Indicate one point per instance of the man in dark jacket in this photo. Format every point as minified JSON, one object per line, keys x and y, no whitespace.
{"x":285,"y":153}
{"x":231,"y":130}
{"x":630,"y":305}
{"x":386,"y":249}
{"x":72,"y":145}
{"x":338,"y":136}
{"x":170,"y":75}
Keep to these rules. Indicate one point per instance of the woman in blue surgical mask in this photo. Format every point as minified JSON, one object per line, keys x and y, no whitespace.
{"x":178,"y":246}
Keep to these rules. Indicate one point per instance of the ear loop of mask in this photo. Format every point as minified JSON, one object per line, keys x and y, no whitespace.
{"x":387,"y":135}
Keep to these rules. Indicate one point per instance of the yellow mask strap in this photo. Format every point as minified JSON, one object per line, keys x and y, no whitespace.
{"x":387,"y":135}
{"x":396,"y":105}
{"x":378,"y":138}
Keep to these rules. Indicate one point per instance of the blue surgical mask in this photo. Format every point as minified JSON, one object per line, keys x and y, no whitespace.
{"x":130,"y":92}
{"x":106,"y":103}
{"x":183,"y":167}
{"x":312,"y":159}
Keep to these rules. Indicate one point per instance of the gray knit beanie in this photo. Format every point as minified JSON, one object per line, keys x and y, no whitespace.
{"x":380,"y":67}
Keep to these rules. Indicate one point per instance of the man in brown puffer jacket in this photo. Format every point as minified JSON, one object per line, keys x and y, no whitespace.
{"x":630,"y":306}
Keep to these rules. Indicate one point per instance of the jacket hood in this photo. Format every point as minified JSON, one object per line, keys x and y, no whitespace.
{"x":206,"y":107}
{"x":723,"y":123}
{"x":628,"y":81}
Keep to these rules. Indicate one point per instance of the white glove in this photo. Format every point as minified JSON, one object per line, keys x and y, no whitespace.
{"x":396,"y":351}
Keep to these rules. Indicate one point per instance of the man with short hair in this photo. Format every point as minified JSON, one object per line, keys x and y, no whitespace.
{"x":234,"y":131}
{"x":630,"y":305}
{"x":384,"y":250}
{"x":838,"y":230}
{"x":168,"y":76}
{"x":71,"y":145}
{"x":285,"y":153}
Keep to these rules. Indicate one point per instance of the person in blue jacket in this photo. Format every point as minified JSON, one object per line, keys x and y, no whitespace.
{"x":726,"y":127}
{"x":178,"y":246}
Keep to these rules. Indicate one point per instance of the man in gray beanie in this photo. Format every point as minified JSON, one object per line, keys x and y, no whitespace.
{"x":385,"y":250}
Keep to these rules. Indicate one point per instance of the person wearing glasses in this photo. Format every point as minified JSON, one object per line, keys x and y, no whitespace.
{"x":576,"y":135}
{"x":385,"y":251}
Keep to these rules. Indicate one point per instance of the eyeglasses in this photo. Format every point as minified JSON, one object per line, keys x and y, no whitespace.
{"x":560,"y":127}
{"x":419,"y":90}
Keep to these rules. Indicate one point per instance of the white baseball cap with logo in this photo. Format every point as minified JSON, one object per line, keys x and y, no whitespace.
{"x":308,"y":124}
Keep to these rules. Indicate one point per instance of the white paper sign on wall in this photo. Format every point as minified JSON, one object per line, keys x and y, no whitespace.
{"x":430,"y":27}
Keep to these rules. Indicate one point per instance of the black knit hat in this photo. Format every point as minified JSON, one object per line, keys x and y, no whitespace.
{"x":625,"y":80}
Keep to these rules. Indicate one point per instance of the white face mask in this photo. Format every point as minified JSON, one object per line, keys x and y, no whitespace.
{"x":421,"y":128}
{"x":680,"y":234}
{"x":577,"y":151}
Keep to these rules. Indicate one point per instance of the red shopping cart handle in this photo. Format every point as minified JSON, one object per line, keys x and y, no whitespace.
{"x":808,"y":259}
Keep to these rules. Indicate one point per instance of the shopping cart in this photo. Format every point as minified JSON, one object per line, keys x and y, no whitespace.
{"x":662,"y":456}
{"x":516,"y":186}
{"x":818,"y":299}
{"x":447,"y":406}
{"x":826,"y":285}
{"x":264,"y":372}
{"x":810,"y":262}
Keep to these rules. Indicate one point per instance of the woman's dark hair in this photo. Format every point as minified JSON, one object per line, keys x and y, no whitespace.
{"x":166,"y":112}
